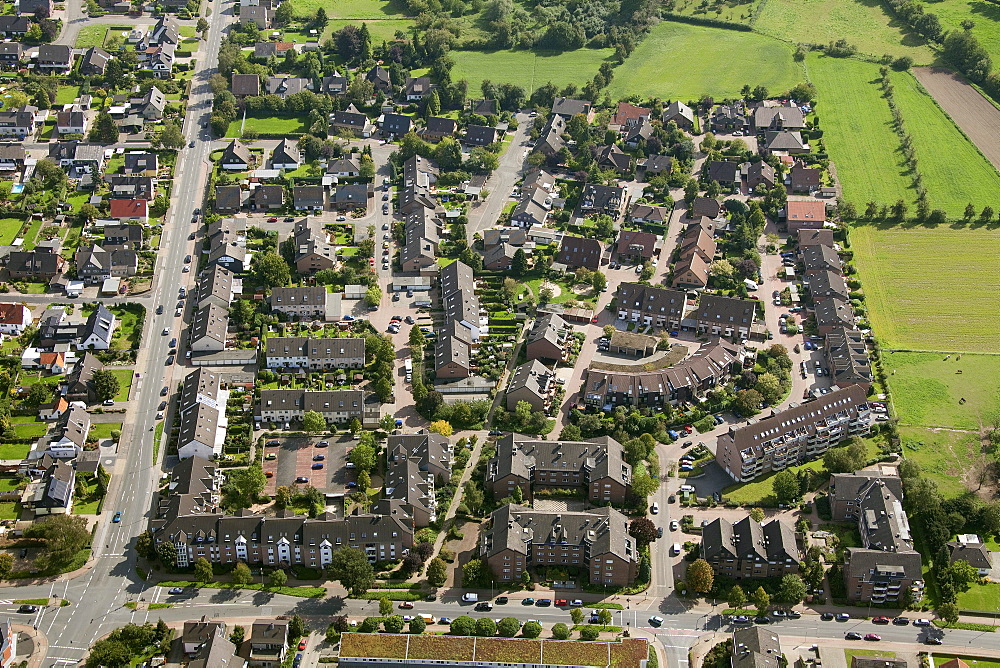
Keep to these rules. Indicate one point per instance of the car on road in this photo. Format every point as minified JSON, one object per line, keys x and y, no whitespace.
{"x":656,"y":621}
{"x":502,"y":600}
{"x":543,"y":602}
{"x":921,"y":622}
{"x":762,"y":619}
{"x":323,"y":444}
{"x":341,"y":218}
{"x":659,"y":532}
{"x":187,"y":259}
{"x":317,"y":466}
{"x":527,"y":601}
{"x":901,"y":621}
{"x":826,"y":616}
{"x":303,"y":643}
{"x":348,"y":317}
{"x":406,"y":605}
{"x":740,"y":619}
{"x":852,"y":635}
{"x":289,"y":219}
{"x":163,"y":392}
{"x":173,"y":342}
{"x":109,"y":402}
{"x":176,"y":590}
{"x":932,"y":641}
{"x":165,"y":331}
{"x":302,"y":478}
{"x":655,"y":508}
{"x":843,"y":616}
{"x":792,"y":614}
{"x":272,"y":219}
{"x":872,"y":637}
{"x":191,"y":145}
{"x":117,"y":518}
{"x":779,"y":614}
{"x":27,"y":609}
{"x":444,"y":620}
{"x":159,"y":310}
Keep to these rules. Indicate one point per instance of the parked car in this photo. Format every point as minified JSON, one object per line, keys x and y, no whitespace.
{"x":302,"y":478}
{"x":901,"y":621}
{"x":527,"y":601}
{"x":881,"y":619}
{"x":852,"y":635}
{"x":873,"y":637}
{"x":502,"y":600}
{"x":543,"y":602}
{"x":843,"y":616}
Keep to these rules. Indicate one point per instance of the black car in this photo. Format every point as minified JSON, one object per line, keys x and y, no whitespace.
{"x":901,"y":621}
{"x":794,"y":615}
{"x":430,"y":597}
{"x":826,"y":616}
{"x":191,"y":145}
{"x":659,"y":532}
{"x":762,"y":620}
{"x":852,"y":635}
{"x":290,"y":219}
{"x":543,"y":602}
{"x":27,"y":609}
{"x":170,"y":360}
{"x":496,"y":432}
{"x":932,"y":641}
{"x":159,"y":309}
{"x":502,"y":600}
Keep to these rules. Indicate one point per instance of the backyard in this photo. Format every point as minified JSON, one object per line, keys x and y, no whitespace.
{"x":102,"y":430}
{"x":9,"y":227}
{"x":124,"y":377}
{"x":268,"y":125}
{"x":89,"y":502}
{"x":984,"y":597}
{"x":909,"y":304}
{"x":681,"y":61}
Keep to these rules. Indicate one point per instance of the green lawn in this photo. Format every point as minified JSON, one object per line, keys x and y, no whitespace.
{"x":528,"y":69}
{"x":383,"y":30}
{"x":9,"y":227}
{"x":89,"y":36}
{"x":863,"y":22}
{"x":911,"y":305}
{"x":863,"y":145}
{"x":102,"y":430}
{"x":125,"y":382}
{"x":677,"y":60}
{"x":943,"y":456}
{"x":954,"y":171}
{"x":269,"y":124}
{"x":928,"y":390}
{"x":30,"y":429}
{"x":30,"y":236}
{"x":984,"y":597}
{"x":67,"y":93}
{"x":760,"y":492}
{"x":8,"y":483}
{"x":89,"y":502}
{"x":14,"y":450}
{"x":350,"y":8}
{"x":849,"y":654}
{"x":10,"y":511}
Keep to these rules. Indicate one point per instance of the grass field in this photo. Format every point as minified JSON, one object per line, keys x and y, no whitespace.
{"x":14,"y":450}
{"x":681,"y":61}
{"x":66,"y":94}
{"x":10,"y":511}
{"x":984,"y":597}
{"x":125,"y":382}
{"x":940,"y":454}
{"x":849,"y":654}
{"x":927,"y":389}
{"x":350,"y":8}
{"x":734,"y":11}
{"x":382,"y":30}
{"x":954,"y":172}
{"x":986,"y":16}
{"x":268,"y":125}
{"x":91,"y":36}
{"x":9,"y":227}
{"x":89,"y":501}
{"x":910,"y":304}
{"x":863,"y":145}
{"x":102,"y":430}
{"x":863,"y":22}
{"x":528,"y":69}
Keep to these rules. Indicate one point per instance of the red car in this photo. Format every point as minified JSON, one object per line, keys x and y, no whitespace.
{"x":873,"y":637}
{"x":302,"y":644}
{"x":594,"y":320}
{"x":274,"y":219}
{"x":406,"y":605}
{"x":561,"y":601}
{"x":880,"y":620}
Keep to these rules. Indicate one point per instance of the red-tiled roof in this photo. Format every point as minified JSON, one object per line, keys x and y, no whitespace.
{"x":128,"y":208}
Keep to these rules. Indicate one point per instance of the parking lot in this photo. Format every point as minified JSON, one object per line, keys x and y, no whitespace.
{"x":290,"y":464}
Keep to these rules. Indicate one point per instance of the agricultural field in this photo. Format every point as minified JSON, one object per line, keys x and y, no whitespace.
{"x":863,"y":22}
{"x":382,"y":30}
{"x":270,"y":125}
{"x":954,"y":171}
{"x":681,"y":61}
{"x":939,"y":390}
{"x":528,"y":69}
{"x":734,"y":11}
{"x":943,"y":456}
{"x":909,"y":303}
{"x":362,"y":9}
{"x":864,"y":146}
{"x":971,"y":111}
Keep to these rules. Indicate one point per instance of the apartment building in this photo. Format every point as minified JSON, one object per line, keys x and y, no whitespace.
{"x":749,"y":549}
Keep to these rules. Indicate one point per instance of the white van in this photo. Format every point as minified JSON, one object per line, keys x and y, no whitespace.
{"x":675,"y":550}
{"x":470,"y":598}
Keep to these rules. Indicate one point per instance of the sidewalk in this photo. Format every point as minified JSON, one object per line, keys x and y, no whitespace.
{"x":39,"y":644}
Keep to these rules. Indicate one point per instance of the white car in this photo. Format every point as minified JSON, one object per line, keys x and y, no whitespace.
{"x":655,"y":508}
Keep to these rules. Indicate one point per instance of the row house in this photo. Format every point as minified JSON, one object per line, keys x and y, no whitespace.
{"x":337,"y":406}
{"x":313,"y":303}
{"x":548,"y":338}
{"x":532,"y":382}
{"x":650,"y":305}
{"x":724,"y":316}
{"x":298,"y":352}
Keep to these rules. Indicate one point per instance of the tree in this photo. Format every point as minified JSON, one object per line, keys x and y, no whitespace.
{"x":737,"y":599}
{"x":757,"y":515}
{"x":747,"y":402}
{"x":202,"y":25}
{"x":963,"y":573}
{"x":531,"y":629}
{"x":846,"y":459}
{"x":350,"y":567}
{"x":792,"y":589}
{"x":463,"y":626}
{"x":282,"y":15}
{"x":590,"y":633}
{"x":599,"y":281}
{"x":609,"y":331}
{"x":238,"y":635}
{"x":296,"y":629}
{"x":486,"y":627}
{"x":64,"y":536}
{"x":144,"y":545}
{"x":644,"y":484}
{"x":313,"y":421}
{"x":277,"y":578}
{"x":271,"y":270}
{"x":437,"y":572}
{"x":769,"y":387}
{"x":417,"y":625}
{"x":320,"y":20}
{"x":203,"y":570}
{"x":364,"y":480}
{"x":6,"y":565}
{"x":167,"y":554}
{"x":363,"y":457}
{"x":519,"y":265}
{"x":442,"y":427}
{"x":104,"y":130}
{"x":244,"y":486}
{"x":384,"y":606}
{"x":643,"y":530}
{"x":417,"y":338}
{"x":560,"y":631}
{"x":948,"y":612}
{"x":106,"y":385}
{"x":576,"y":614}
{"x":171,"y":135}
{"x":242,"y":574}
{"x":393,"y":623}
{"x":508,"y":627}
{"x":604,"y":616}
{"x":761,"y":600}
{"x":700,"y":576}
{"x":282,"y":497}
{"x":373,"y":295}
{"x":786,"y":487}
{"x":38,"y":394}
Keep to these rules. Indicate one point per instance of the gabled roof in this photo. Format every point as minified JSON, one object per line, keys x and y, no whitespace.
{"x":568,"y":107}
{"x":246,"y":84}
{"x":236,"y":153}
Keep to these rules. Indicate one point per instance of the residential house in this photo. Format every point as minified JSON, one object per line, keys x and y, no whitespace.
{"x":299,"y":352}
{"x":628,"y":115}
{"x":284,"y":87}
{"x":305,"y":302}
{"x":547,"y":339}
{"x":10,"y":52}
{"x":131,"y":187}
{"x":483,"y":107}
{"x":640,"y":132}
{"x":639,"y":247}
{"x":95,"y":264}
{"x":815,"y":237}
{"x":804,"y":214}
{"x":53,"y":494}
{"x":286,"y":155}
{"x":758,"y":647}
{"x":395,"y":125}
{"x":679,"y":113}
{"x":499,"y":257}
{"x":345,"y":168}
{"x":816,"y":259}
{"x":612,"y":157}
{"x":577,"y":252}
{"x":97,"y":332}
{"x":848,"y":489}
{"x":567,"y":108}
{"x":228,"y":199}
{"x":141,"y":163}
{"x":208,"y":329}
{"x":705,"y":206}
{"x":14,"y":26}
{"x":262,"y":15}
{"x":847,"y":358}
{"x":532,"y":382}
{"x":795,"y":435}
{"x":79,"y":385}
{"x":438,"y":127}
{"x":11,"y":158}
{"x":130,"y":210}
{"x":783,"y":142}
{"x":264,"y":50}
{"x":236,"y":157}
{"x":656,"y":164}
{"x":481,"y":135}
{"x":152,"y":104}
{"x":267,"y":197}
{"x":268,"y":643}
{"x":202,"y":431}
{"x":724,"y":172}
{"x":352,"y":196}
{"x":334,"y":85}
{"x":833,"y":314}
{"x":804,"y":179}
{"x":246,"y":85}
{"x":691,"y":272}
{"x":312,"y":198}
{"x":158,"y":59}
{"x":724,"y":316}
{"x":550,"y":141}
{"x":827,"y":285}
{"x":651,"y":305}
{"x":778,"y":117}
{"x":72,"y":122}
{"x":18,"y":123}
{"x":313,"y":250}
{"x":432,"y":451}
{"x":749,"y":549}
{"x":217,"y":285}
{"x":533,"y":208}
{"x":54,"y":58}
{"x":197,"y":634}
{"x":417,"y":88}
{"x":759,"y":174}
{"x":632,"y":344}
{"x":730,"y":119}
{"x":166,"y":31}
{"x":379,"y":77}
{"x":597,"y":199}
{"x":518,"y":538}
{"x":35,"y":265}
{"x":337,"y":406}
{"x":970,"y":548}
{"x":94,"y":61}
{"x":14,"y":319}
{"x":420,"y":242}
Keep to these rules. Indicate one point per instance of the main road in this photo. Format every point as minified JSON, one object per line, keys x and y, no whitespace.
{"x":99,"y":596}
